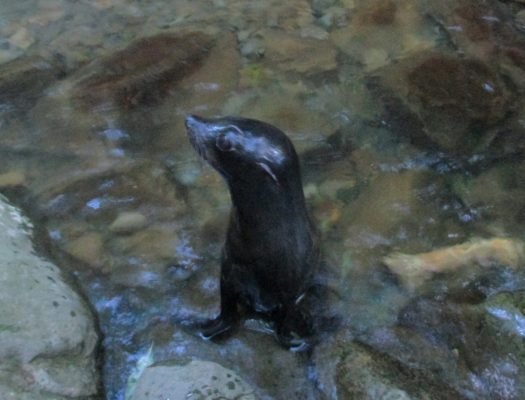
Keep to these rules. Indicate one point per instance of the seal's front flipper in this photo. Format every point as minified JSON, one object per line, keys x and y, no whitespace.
{"x":216,"y":327}
{"x":228,"y":318}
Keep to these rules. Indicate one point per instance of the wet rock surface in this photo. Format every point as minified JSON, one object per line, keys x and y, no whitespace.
{"x":453,"y":102}
{"x":143,"y":72}
{"x":450,"y":339}
{"x":24,"y":80}
{"x":198,"y":379}
{"x":48,"y":336}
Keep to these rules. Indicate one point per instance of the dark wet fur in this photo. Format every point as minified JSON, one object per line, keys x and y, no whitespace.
{"x":271,"y":264}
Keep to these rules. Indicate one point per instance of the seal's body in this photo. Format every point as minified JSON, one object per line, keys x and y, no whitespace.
{"x":271,"y":256}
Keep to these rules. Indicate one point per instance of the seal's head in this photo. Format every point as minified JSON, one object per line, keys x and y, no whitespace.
{"x":243,"y":149}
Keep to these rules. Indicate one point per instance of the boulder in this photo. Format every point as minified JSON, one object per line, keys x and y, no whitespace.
{"x":143,"y":72}
{"x":293,"y":53}
{"x":414,"y":269}
{"x":23,"y":81}
{"x":438,"y":100}
{"x":198,"y":379}
{"x":47,"y":333}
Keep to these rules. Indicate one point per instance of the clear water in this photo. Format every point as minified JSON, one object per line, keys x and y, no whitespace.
{"x":408,"y":117}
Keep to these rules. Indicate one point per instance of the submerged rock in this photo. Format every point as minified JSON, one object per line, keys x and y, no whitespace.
{"x":463,"y":350}
{"x":389,"y":200}
{"x":457,"y":99}
{"x":89,"y":249}
{"x":47,"y":334}
{"x":142,"y":73}
{"x":499,"y":192}
{"x":445,"y":101}
{"x":349,"y":368}
{"x":414,"y":269}
{"x":381,"y":32}
{"x":198,"y":379}
{"x":293,"y":53}
{"x":127,"y":222}
{"x":24,"y":80}
{"x":12,"y":178}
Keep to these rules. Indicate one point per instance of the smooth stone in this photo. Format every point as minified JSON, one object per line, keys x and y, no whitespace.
{"x":414,"y":269}
{"x":12,"y":178}
{"x":23,"y":80}
{"x":88,"y":249}
{"x":143,"y":73}
{"x":198,"y":379}
{"x":154,"y":244}
{"x":375,"y":58}
{"x":334,"y":16}
{"x":47,"y":333}
{"x":22,"y":39}
{"x":293,"y":53}
{"x":127,"y":222}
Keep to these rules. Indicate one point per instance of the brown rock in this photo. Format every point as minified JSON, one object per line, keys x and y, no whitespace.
{"x":217,"y":77}
{"x":152,"y":245}
{"x":379,"y":13}
{"x":386,"y":201}
{"x":466,"y":88}
{"x":23,"y":80}
{"x":477,"y":28}
{"x":88,"y":249}
{"x":144,"y":72}
{"x":448,"y":102}
{"x":294,"y":53}
{"x":382,"y":32}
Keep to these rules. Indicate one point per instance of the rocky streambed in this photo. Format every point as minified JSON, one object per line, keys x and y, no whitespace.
{"x":409,"y":119}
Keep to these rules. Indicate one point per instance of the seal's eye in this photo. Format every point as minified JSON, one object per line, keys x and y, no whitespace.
{"x":223,"y":143}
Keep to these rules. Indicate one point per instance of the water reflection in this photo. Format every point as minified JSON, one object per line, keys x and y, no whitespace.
{"x":408,"y":117}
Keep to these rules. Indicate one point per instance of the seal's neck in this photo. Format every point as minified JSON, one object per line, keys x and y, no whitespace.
{"x":265,"y":207}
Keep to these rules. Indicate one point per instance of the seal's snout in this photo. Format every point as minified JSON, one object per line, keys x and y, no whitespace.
{"x":192,"y":121}
{"x":200,"y":135}
{"x":199,"y":127}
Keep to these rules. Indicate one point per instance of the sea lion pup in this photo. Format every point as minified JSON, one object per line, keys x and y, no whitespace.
{"x":270,"y":260}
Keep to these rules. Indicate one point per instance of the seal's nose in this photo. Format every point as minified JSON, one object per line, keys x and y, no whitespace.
{"x":191,"y":121}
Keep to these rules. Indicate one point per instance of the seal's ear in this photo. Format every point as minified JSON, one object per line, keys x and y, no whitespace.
{"x":268,"y":170}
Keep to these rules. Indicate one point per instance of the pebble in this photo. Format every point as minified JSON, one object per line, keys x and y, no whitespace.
{"x":252,"y":48}
{"x":22,"y":39}
{"x":330,"y":188}
{"x":334,"y":17}
{"x":12,"y":178}
{"x":375,"y":58}
{"x":88,"y":249}
{"x":315,"y":32}
{"x":127,"y":222}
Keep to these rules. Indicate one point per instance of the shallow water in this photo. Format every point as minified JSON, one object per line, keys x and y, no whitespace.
{"x":409,"y":119}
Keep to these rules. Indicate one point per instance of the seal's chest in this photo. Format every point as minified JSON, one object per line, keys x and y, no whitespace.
{"x":252,"y":287}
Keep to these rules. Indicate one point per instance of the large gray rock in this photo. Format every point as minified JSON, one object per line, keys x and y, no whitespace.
{"x":47,"y":333}
{"x":197,"y":380}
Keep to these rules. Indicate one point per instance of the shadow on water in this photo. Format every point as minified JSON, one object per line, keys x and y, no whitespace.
{"x":409,"y":120}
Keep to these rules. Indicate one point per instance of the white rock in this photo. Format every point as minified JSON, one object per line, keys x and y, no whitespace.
{"x":196,"y":380}
{"x":47,"y":334}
